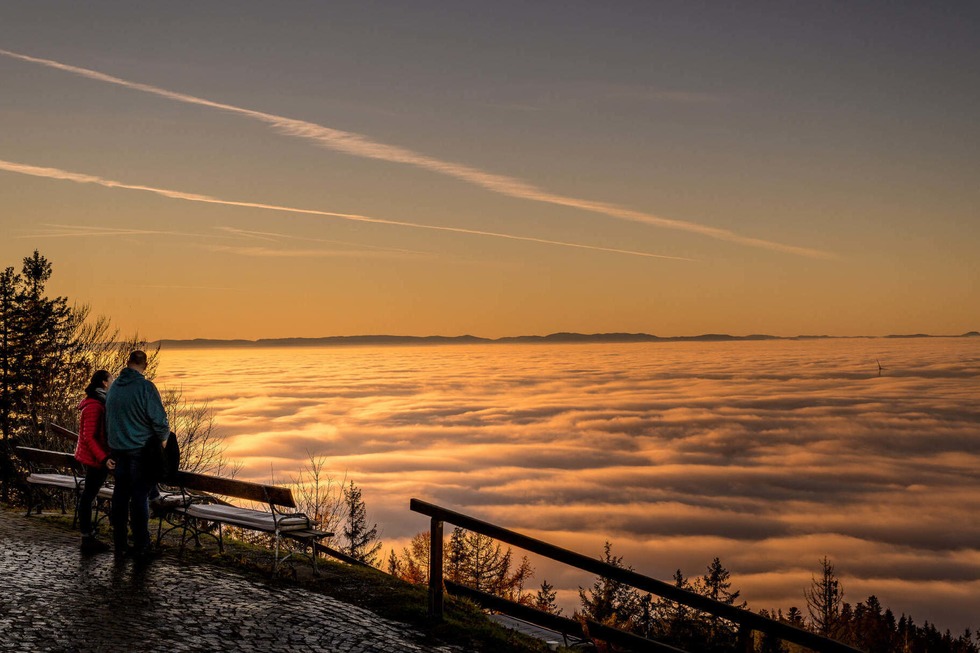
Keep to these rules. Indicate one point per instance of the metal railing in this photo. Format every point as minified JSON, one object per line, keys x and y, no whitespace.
{"x":746,"y":620}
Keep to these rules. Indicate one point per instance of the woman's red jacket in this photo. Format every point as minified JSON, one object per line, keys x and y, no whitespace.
{"x":93,"y":447}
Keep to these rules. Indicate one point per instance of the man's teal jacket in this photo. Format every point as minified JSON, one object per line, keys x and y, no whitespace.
{"x":134,"y":412}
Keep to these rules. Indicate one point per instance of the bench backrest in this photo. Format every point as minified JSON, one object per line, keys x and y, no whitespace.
{"x":63,"y":433}
{"x":45,"y":458}
{"x":229,"y":487}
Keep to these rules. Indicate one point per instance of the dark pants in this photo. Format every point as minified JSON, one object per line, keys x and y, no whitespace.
{"x":94,"y":478}
{"x":129,"y":499}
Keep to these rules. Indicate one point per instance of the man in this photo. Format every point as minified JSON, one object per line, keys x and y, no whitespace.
{"x":137,"y":422}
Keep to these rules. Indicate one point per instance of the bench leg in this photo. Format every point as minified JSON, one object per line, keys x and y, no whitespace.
{"x":74,"y":516}
{"x":275,"y":565}
{"x":183,"y":534}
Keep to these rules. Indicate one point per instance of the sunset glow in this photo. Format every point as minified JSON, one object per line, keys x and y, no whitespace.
{"x":662,"y":175}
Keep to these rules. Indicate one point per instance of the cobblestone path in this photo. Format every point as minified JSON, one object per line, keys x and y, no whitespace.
{"x":54,"y":599}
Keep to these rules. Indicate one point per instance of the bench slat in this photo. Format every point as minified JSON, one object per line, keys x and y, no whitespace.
{"x":55,"y":480}
{"x":245,"y":517}
{"x":278,"y":496}
{"x":49,"y":458}
{"x":63,"y":433}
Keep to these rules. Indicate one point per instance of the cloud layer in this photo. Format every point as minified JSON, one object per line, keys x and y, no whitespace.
{"x":769,"y":455}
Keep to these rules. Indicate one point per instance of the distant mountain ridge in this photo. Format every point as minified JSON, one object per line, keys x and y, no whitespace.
{"x":561,"y":337}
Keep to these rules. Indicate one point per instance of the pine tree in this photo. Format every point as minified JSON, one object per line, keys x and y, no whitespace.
{"x":362,"y":542}
{"x":823,"y":600}
{"x":678,"y":624}
{"x":11,"y":387}
{"x":545,"y":598}
{"x":456,"y":555}
{"x":470,"y":559}
{"x":715,"y":585}
{"x":611,"y":602}
{"x":11,"y":393}
{"x":795,"y":617}
{"x":48,"y":330}
{"x":394,"y":564}
{"x":481,"y":563}
{"x":415,"y":559}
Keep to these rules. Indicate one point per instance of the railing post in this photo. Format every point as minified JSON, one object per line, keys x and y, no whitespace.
{"x":435,"y":570}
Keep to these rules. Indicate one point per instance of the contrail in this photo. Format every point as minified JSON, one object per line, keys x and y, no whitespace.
{"x":77,"y":231}
{"x":56,"y":173}
{"x":362,"y":146}
{"x":270,"y":236}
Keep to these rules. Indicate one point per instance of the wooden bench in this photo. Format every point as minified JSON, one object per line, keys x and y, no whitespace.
{"x":51,"y":471}
{"x":278,"y":515}
{"x":103,"y":500}
{"x":46,"y":475}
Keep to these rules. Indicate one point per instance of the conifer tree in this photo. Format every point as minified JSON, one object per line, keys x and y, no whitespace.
{"x":11,"y":387}
{"x":415,"y":559}
{"x":456,"y":555}
{"x":480,"y":562}
{"x":545,"y":598}
{"x":394,"y":564}
{"x":48,"y":336}
{"x":795,"y":617}
{"x":362,"y":542}
{"x":716,"y":585}
{"x":678,"y":624}
{"x":609,"y":601}
{"x":823,"y":600}
{"x":11,"y":390}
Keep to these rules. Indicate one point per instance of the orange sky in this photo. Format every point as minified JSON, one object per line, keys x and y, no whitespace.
{"x":563,"y":168}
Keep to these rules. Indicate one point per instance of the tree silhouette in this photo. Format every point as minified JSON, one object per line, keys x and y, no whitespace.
{"x":716,"y":585}
{"x":609,"y":601}
{"x":823,"y":600}
{"x":545,"y":598}
{"x":362,"y":542}
{"x":414,"y":564}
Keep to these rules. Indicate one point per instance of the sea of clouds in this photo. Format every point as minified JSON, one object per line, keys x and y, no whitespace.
{"x":769,"y":455}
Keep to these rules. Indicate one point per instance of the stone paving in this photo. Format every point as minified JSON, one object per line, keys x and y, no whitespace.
{"x":54,"y":599}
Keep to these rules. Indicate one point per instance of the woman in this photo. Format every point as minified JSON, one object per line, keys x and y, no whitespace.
{"x":93,"y":452}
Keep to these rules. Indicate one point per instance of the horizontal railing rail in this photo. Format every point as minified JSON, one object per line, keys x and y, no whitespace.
{"x":562,"y":625}
{"x":744,"y":618}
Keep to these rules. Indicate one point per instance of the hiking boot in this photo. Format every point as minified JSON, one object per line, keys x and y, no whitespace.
{"x":143,"y":555}
{"x":120,"y":553}
{"x":90,"y":545}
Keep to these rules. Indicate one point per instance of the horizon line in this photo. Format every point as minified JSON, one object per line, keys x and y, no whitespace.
{"x":564,"y":337}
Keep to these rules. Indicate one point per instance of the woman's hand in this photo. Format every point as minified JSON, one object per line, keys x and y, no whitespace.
{"x":110,"y":464}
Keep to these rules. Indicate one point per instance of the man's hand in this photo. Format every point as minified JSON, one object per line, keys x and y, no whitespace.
{"x":110,"y":464}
